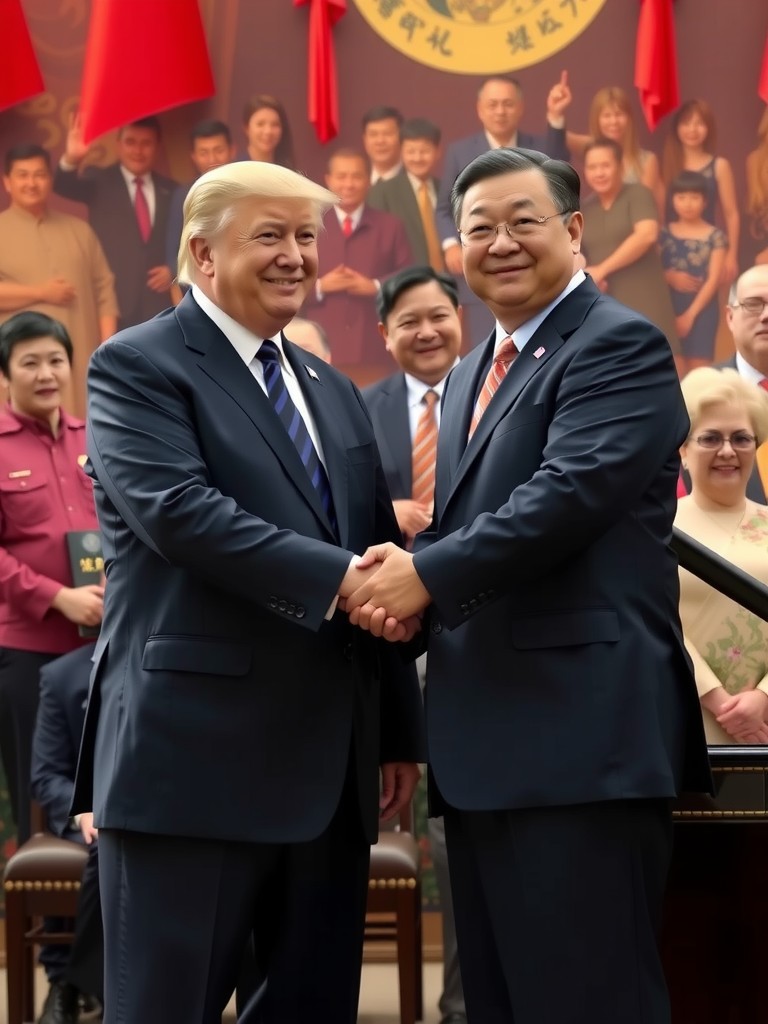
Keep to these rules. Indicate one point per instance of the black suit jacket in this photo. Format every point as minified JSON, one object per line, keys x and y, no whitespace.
{"x":58,"y":728}
{"x":397,"y":196}
{"x":219,"y":684}
{"x":556,"y":662}
{"x":113,"y":218}
{"x":387,"y":402}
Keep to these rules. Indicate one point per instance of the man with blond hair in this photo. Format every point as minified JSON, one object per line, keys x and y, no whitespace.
{"x":238,"y":728}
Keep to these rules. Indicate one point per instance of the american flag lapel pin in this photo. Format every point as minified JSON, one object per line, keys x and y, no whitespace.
{"x":539,"y":352}
{"x":311,"y":372}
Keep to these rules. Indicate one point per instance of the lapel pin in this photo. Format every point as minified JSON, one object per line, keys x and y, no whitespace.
{"x":539,"y":352}
{"x":311,"y":372}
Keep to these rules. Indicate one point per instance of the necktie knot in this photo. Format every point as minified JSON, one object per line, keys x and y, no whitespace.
{"x":268,"y":352}
{"x":763,"y":383}
{"x":429,"y":399}
{"x":506,"y":352}
{"x":347,"y":226}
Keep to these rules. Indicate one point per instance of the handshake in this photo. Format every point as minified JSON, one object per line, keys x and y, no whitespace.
{"x":383,"y":593}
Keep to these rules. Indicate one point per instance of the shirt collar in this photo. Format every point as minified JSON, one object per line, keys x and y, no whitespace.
{"x":416,"y":389}
{"x":243,"y":341}
{"x":747,"y":371}
{"x":129,"y":178}
{"x":356,"y":216}
{"x":416,"y":184}
{"x":493,"y":144}
{"x":526,"y":331}
{"x":387,"y":175}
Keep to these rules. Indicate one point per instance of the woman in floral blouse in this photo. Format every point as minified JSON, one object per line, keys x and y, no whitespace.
{"x":728,"y":645}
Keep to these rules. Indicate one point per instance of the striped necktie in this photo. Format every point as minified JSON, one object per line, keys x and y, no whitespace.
{"x":761,"y":456}
{"x":425,"y":452}
{"x":502,"y":360}
{"x":291,"y":418}
{"x":427,"y":213}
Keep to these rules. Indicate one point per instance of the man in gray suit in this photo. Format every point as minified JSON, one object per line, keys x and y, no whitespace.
{"x":500,"y":108}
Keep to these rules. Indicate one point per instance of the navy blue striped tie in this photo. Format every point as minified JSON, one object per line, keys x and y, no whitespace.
{"x":293,"y":422}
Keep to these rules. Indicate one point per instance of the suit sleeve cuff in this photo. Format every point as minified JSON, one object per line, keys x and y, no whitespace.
{"x":334,"y":603}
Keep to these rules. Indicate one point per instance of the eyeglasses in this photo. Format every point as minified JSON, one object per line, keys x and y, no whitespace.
{"x":741,"y":441}
{"x":754,"y":306}
{"x":519,"y":228}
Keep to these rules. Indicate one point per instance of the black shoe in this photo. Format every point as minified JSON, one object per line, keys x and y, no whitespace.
{"x":61,"y":1004}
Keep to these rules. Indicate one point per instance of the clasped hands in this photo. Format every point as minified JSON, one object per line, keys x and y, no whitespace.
{"x":383,"y":593}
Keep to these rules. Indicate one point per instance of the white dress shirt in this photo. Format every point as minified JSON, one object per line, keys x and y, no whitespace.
{"x":148,"y":187}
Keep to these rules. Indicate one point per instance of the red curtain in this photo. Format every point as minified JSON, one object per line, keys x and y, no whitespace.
{"x":141,"y":57}
{"x":323,"y":97}
{"x":656,"y":60}
{"x":20,"y":75}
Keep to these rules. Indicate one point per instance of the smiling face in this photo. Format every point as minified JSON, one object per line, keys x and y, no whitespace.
{"x":500,"y":108}
{"x":38,"y":374}
{"x":423,"y":332}
{"x":602,"y":171}
{"x":348,"y":178}
{"x":419,"y":157}
{"x":29,"y":183}
{"x":719,"y":475}
{"x":137,"y":148}
{"x":381,"y":142}
{"x":263,"y":131}
{"x":518,"y":279}
{"x":260,"y":267}
{"x":692,"y":132}
{"x":612,"y":122}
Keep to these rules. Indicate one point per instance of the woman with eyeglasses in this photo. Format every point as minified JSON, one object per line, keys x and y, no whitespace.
{"x":621,"y":231}
{"x":728,"y":645}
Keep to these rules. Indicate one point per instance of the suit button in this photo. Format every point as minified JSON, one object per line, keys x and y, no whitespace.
{"x":464,"y":609}
{"x":282,"y":606}
{"x":437,"y":627}
{"x":473,"y":603}
{"x":491,"y":593}
{"x":349,"y":652}
{"x":300,"y":611}
{"x":291,"y":609}
{"x":482,"y":596}
{"x":272,"y":603}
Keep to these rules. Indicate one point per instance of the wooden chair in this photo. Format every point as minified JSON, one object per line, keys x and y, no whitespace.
{"x":394,"y":910}
{"x":42,"y":879}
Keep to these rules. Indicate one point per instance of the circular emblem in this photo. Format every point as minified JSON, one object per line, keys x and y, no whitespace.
{"x":91,"y":542}
{"x":479,"y":37}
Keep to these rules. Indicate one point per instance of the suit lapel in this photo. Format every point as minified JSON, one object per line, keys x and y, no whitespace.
{"x":546,"y":341}
{"x":334,"y":446}
{"x":221,"y":363}
{"x":395,"y":431}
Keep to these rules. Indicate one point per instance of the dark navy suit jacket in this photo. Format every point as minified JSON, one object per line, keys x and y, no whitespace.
{"x":387,"y":402}
{"x":112,"y":216}
{"x":58,"y":728}
{"x":218,"y":683}
{"x":556,"y":662}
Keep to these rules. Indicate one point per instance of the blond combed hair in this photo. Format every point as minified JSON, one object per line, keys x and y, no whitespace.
{"x":211,"y":202}
{"x":706,"y":386}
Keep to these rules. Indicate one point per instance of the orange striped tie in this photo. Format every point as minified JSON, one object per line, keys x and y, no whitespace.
{"x":425,"y":452}
{"x":502,"y":360}
{"x":761,"y":456}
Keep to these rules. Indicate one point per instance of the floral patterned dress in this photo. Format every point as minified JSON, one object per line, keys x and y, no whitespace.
{"x":728,"y":645}
{"x":692,"y":255}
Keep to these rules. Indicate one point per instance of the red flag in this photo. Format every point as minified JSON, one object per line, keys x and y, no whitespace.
{"x":762,"y":85}
{"x":142,"y":57}
{"x":323,"y":97}
{"x":656,"y":60}
{"x":20,"y":77}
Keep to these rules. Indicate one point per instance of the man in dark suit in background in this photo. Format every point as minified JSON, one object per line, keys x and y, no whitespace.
{"x":381,"y":142}
{"x":562,"y":713}
{"x":128,"y":205}
{"x":412,"y":194}
{"x":420,"y":321}
{"x":360,"y":247}
{"x":237,"y":723}
{"x":500,"y":108}
{"x":77,"y":969}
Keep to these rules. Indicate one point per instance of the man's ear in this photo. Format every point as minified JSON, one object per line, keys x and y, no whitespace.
{"x":202,"y":255}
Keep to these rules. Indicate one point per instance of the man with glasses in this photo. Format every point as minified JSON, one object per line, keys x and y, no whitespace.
{"x":561,"y":707}
{"x":747,"y":317}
